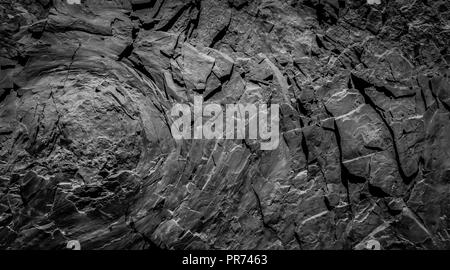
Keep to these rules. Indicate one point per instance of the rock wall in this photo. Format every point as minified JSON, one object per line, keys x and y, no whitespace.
{"x":86,"y":152}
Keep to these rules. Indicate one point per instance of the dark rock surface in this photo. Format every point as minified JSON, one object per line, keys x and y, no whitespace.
{"x":86,"y":152}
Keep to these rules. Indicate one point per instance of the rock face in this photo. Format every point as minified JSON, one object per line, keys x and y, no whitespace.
{"x":87,"y":157}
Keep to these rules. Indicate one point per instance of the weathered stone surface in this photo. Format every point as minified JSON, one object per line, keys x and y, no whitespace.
{"x":86,"y":152}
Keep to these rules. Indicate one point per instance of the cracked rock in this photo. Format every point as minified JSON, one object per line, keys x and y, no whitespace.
{"x":88,"y":161}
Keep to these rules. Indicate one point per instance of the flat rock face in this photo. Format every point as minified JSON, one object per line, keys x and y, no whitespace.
{"x":87,"y":158}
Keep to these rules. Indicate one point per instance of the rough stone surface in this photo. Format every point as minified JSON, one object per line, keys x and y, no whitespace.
{"x":86,"y":154}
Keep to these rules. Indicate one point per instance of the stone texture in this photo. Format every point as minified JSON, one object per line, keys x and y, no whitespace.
{"x":86,"y":154}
